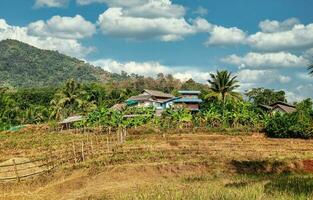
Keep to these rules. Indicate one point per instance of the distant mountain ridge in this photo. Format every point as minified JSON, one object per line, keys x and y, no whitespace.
{"x":22,"y":65}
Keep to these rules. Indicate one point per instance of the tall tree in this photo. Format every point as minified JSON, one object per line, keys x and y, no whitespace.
{"x":265,"y":96}
{"x":310,"y":68}
{"x":68,"y":101}
{"x":223,"y":85}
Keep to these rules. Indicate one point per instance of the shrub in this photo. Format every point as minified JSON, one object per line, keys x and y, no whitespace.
{"x":295,"y":125}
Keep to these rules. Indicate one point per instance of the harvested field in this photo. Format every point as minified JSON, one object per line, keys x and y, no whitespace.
{"x":175,"y":165}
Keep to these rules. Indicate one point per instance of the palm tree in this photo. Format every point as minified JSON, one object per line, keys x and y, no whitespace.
{"x":68,"y":100}
{"x":223,"y":85}
{"x":310,"y":68}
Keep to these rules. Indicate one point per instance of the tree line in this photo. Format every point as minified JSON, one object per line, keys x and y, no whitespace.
{"x":223,"y":106}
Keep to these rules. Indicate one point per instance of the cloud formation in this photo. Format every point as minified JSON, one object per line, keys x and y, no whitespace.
{"x":220,"y":35}
{"x":272,"y":26}
{"x":151,"y":69}
{"x":67,"y":46}
{"x":266,"y":60}
{"x":50,"y":3}
{"x":119,"y":22}
{"x":62,"y":27}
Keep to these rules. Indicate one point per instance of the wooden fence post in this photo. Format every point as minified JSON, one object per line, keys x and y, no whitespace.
{"x":108,"y":148}
{"x":51,"y":158}
{"x":83,"y":153}
{"x":91,"y":147}
{"x":74,"y":152}
{"x":15,"y":171}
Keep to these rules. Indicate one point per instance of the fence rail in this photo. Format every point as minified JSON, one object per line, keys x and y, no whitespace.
{"x":72,"y":153}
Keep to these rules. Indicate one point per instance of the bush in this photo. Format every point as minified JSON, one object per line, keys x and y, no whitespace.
{"x":295,"y":125}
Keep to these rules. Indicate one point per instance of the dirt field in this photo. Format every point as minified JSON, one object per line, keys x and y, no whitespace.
{"x":176,"y":166}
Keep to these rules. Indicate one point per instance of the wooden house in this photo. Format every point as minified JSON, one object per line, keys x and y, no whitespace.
{"x":280,"y":107}
{"x":189,"y":99}
{"x":147,"y":98}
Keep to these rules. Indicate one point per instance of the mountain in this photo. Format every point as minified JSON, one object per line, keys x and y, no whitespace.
{"x":22,"y":65}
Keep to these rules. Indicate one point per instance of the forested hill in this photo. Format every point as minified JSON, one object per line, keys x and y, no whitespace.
{"x":22,"y":65}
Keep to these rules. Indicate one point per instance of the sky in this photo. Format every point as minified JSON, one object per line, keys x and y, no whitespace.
{"x":266,"y":43}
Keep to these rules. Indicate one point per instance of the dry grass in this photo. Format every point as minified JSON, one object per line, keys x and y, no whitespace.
{"x":188,"y":166}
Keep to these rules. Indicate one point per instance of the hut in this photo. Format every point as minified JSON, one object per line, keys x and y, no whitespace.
{"x":69,"y":122}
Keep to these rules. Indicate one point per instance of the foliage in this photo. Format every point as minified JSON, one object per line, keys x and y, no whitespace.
{"x":223,"y":85}
{"x":173,"y":118}
{"x":294,"y":125}
{"x":233,"y":114}
{"x":22,"y":65}
{"x":70,"y":100}
{"x":310,"y":68}
{"x":265,"y":96}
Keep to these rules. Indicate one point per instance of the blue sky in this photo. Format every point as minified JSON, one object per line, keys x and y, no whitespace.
{"x":266,"y":43}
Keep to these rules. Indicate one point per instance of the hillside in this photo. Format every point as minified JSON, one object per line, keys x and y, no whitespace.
{"x":22,"y":65}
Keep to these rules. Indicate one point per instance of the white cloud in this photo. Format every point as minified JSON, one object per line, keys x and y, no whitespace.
{"x":261,"y":76}
{"x":63,"y":27}
{"x":300,"y":36}
{"x":225,"y":36}
{"x":266,"y":60}
{"x":115,"y":22}
{"x":143,"y":8}
{"x":114,"y":3}
{"x":50,"y":3}
{"x":67,"y":46}
{"x":274,"y":36}
{"x":201,"y":11}
{"x":304,"y":76}
{"x":272,"y":26}
{"x":151,"y":69}
{"x":300,"y":93}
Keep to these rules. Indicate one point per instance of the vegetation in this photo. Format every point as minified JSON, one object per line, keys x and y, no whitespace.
{"x":265,"y":96}
{"x":22,"y":65}
{"x":294,"y":125}
{"x":310,"y":68}
{"x":223,"y":86}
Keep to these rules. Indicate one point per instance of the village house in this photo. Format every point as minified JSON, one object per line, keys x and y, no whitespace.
{"x":188,"y":99}
{"x":279,"y":107}
{"x":157,"y":99}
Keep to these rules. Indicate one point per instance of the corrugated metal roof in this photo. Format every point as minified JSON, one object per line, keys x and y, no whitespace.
{"x":189,"y":92}
{"x":72,"y":119}
{"x":139,"y":98}
{"x":156,"y":93}
{"x":188,"y":100}
{"x":287,"y":109}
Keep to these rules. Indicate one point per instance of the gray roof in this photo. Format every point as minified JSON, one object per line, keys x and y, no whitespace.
{"x":287,"y":109}
{"x":140,"y":98}
{"x":189,"y":92}
{"x":72,"y":119}
{"x":282,"y":103}
{"x":156,"y":93}
{"x":188,"y":100}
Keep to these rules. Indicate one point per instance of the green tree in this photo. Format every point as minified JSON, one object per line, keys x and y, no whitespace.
{"x":223,"y":85}
{"x":265,"y":96}
{"x":310,"y":68}
{"x":69,"y":100}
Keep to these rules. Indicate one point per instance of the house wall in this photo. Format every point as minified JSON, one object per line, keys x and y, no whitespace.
{"x":278,"y":110}
{"x":191,"y":96}
{"x":193,"y":106}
